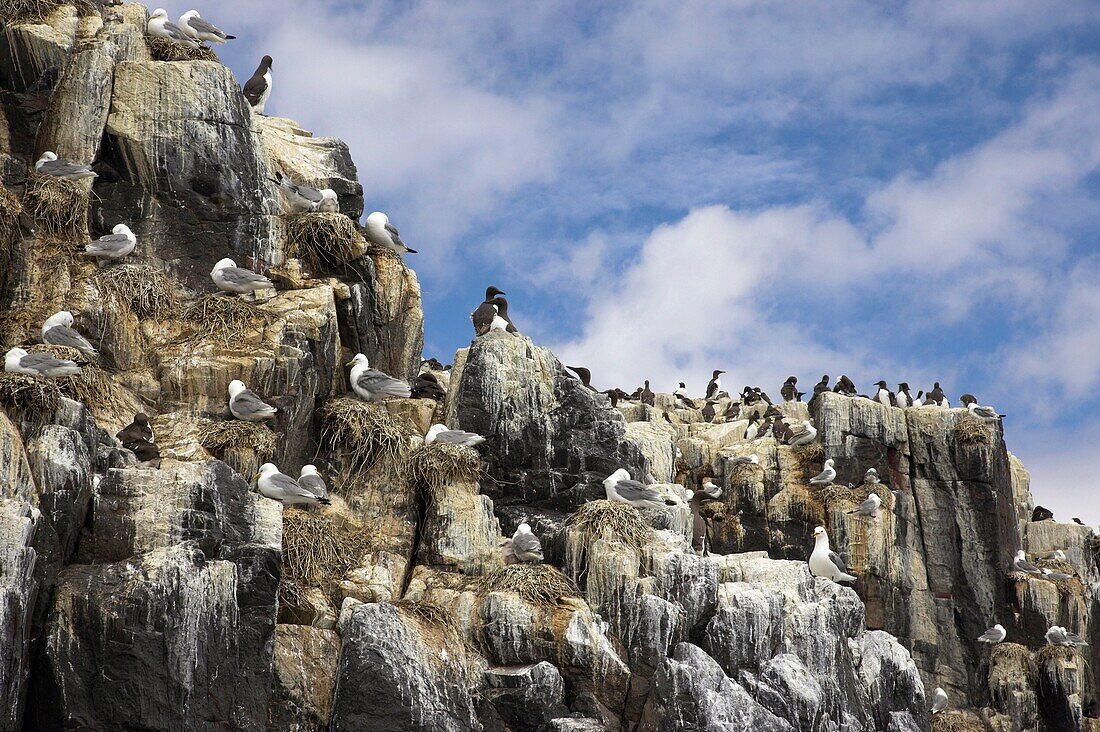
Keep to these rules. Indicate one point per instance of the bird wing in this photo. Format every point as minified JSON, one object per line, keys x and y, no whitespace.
{"x":867,"y":506}
{"x":63,"y":335}
{"x":396,"y":237}
{"x":289,"y":486}
{"x":254,"y":89}
{"x":632,"y":490}
{"x":311,"y":194}
{"x":177,"y":33}
{"x":482,"y":317}
{"x":823,"y":475}
{"x":314,"y":484}
{"x":202,"y":26}
{"x":838,"y":561}
{"x":455,"y":437}
{"x":990,"y":635}
{"x":376,"y":382}
{"x":1025,"y":566}
{"x":526,"y":543}
{"x":43,"y":362}
{"x":62,"y":168}
{"x":250,"y":401}
{"x":241,"y":276}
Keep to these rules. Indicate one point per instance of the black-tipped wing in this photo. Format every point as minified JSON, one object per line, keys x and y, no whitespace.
{"x":632,"y":490}
{"x":376,"y":382}
{"x":249,"y":403}
{"x":63,"y":335}
{"x":201,"y":26}
{"x":838,"y":561}
{"x":314,"y":484}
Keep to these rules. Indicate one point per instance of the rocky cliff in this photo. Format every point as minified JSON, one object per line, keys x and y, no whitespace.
{"x":171,"y":595}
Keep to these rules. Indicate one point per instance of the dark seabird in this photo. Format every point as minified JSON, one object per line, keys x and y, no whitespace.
{"x":782,"y":430}
{"x":790,"y":392}
{"x":884,"y":396}
{"x":258,"y":88}
{"x":1041,"y":514}
{"x":682,"y":397}
{"x":488,"y":310}
{"x":715,"y":384}
{"x":822,"y":385}
{"x":708,"y":411}
{"x":647,"y":395}
{"x":845,"y":387}
{"x":426,"y":386}
{"x":139,"y":429}
{"x":903,"y":398}
{"x":613,"y":395}
{"x":434,"y":364}
{"x":1078,"y":521}
{"x":584,"y":374}
{"x":762,"y":394}
{"x":733,"y":411}
{"x":935,"y":396}
{"x":144,"y":450}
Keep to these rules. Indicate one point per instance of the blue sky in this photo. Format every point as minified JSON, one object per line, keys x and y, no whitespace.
{"x":900,"y":190}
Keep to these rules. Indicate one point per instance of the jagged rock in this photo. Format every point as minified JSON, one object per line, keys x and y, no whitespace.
{"x":1011,"y":673}
{"x":384,"y":318}
{"x":545,"y":431}
{"x":33,"y":56}
{"x":460,"y":531}
{"x":525,"y":697}
{"x":305,"y":676}
{"x":18,"y":593}
{"x":73,"y":125}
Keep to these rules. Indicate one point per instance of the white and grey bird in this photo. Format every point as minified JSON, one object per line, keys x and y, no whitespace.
{"x":439,"y":433}
{"x":711,"y":491}
{"x":1050,"y":574}
{"x":50,"y":164}
{"x":871,"y":477}
{"x":824,"y":562}
{"x":231,"y":278}
{"x":526,"y":546}
{"x":18,"y":361}
{"x":746,"y":460}
{"x":58,"y":331}
{"x":1020,"y":564}
{"x":381,"y":232}
{"x":247,"y":405}
{"x":116,"y":245}
{"x":312,"y":481}
{"x":200,"y":30}
{"x":826,"y":476}
{"x":302,"y":198}
{"x":257,"y":89}
{"x":1057,"y":635}
{"x":981,"y":412}
{"x":939,"y":700}
{"x":620,"y":488}
{"x":994,"y":635}
{"x":374,"y":386}
{"x":807,"y":435}
{"x":284,"y":489}
{"x":869,"y":507}
{"x":1056,"y":555}
{"x":161,"y":27}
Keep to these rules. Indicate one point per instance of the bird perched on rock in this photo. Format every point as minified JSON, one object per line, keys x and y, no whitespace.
{"x":711,"y":491}
{"x":1056,"y":555}
{"x":708,"y":411}
{"x":746,"y":460}
{"x":380,"y":232}
{"x":805,"y":437}
{"x":284,"y":489}
{"x":526,"y":546}
{"x":884,"y":396}
{"x":871,"y":477}
{"x":620,"y":488}
{"x":615,"y":395}
{"x":230,"y":278}
{"x":120,"y":243}
{"x":58,"y":331}
{"x":789,"y":391}
{"x":826,"y":563}
{"x":1053,"y":576}
{"x":145,"y":451}
{"x":647,"y":396}
{"x":733,"y":412}
{"x":374,"y":386}
{"x":584,"y":375}
{"x":257,"y":89}
{"x":199,"y":30}
{"x":681,"y":396}
{"x":50,"y":164}
{"x":822,"y":386}
{"x":18,"y":361}
{"x":139,"y":429}
{"x":1020,"y":564}
{"x":439,"y":433}
{"x":483,"y":315}
{"x":868,"y":508}
{"x":939,"y":700}
{"x":994,"y":635}
{"x":936,"y":397}
{"x":302,"y":198}
{"x":161,"y":27}
{"x":826,"y":476}
{"x":979,"y":411}
{"x":845,"y":387}
{"x":714,"y":386}
{"x":246,"y":405}
{"x":312,"y":481}
{"x":1041,"y":514}
{"x":752,"y":430}
{"x":426,"y":386}
{"x":903,"y":398}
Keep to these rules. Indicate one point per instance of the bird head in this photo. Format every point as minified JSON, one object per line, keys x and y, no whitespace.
{"x":433,"y":431}
{"x":492,"y":292}
{"x":62,"y":317}
{"x":881,"y":385}
{"x":121,"y":229}
{"x":614,"y":478}
{"x":47,"y":157}
{"x":236,"y":386}
{"x":754,"y":459}
{"x":327,"y":194}
{"x":359,"y":360}
{"x":904,"y":386}
{"x":819,"y":531}
{"x":268,"y":469}
{"x":524,"y":528}
{"x":1000,"y":628}
{"x":829,"y":463}
{"x":309,"y":470}
{"x":159,"y":13}
{"x":1020,"y":554}
{"x":141,"y":418}
{"x":378,"y":218}
{"x":222,"y":264}
{"x":266,"y":62}
{"x":718,"y":373}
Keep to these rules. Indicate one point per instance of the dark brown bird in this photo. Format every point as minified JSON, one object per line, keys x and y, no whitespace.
{"x":708,"y":411}
{"x":647,"y":395}
{"x":715,"y":384}
{"x":139,"y":429}
{"x":584,"y":374}
{"x":426,"y":386}
{"x":790,"y":392}
{"x":483,"y":315}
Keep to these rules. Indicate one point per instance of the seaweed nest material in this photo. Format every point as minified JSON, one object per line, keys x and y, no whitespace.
{"x":1046,"y":654}
{"x":621,"y":520}
{"x":971,"y":431}
{"x":361,"y":433}
{"x":28,"y":395}
{"x":36,"y":11}
{"x":538,"y":584}
{"x":1010,"y":654}
{"x":60,"y":206}
{"x":223,"y":320}
{"x":323,"y":238}
{"x":318,"y":550}
{"x":147,"y":291}
{"x":433,"y":467}
{"x":163,"y":49}
{"x":956,"y":721}
{"x":235,"y":433}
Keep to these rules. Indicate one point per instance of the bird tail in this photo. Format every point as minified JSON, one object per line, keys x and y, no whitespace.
{"x":411,"y":251}
{"x":230,"y":38}
{"x":846,"y":578}
{"x":324,"y":501}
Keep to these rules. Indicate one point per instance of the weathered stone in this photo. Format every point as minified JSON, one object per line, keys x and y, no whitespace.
{"x":384,"y":318}
{"x":305,"y":678}
{"x":73,"y":125}
{"x":526,"y":697}
{"x":18,"y":594}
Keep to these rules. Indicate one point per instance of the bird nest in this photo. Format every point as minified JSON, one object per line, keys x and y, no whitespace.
{"x":363,"y":434}
{"x":619,"y":521}
{"x":971,"y":431}
{"x":538,"y":584}
{"x":28,"y":395}
{"x":1061,"y":654}
{"x":36,"y":11}
{"x":746,"y":473}
{"x":94,"y":387}
{"x":435,"y":466}
{"x":237,"y":434}
{"x":833,"y":493}
{"x":222,"y":320}
{"x":59,"y":206}
{"x":147,"y":291}
{"x":318,"y":550}
{"x":162,"y":49}
{"x":323,"y":239}
{"x":17,"y":323}
{"x":810,"y":457}
{"x":1056,"y":565}
{"x":1010,"y":654}
{"x":10,"y":208}
{"x":956,"y":721}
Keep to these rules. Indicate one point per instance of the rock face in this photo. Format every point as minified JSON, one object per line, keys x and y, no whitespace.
{"x":169,"y":595}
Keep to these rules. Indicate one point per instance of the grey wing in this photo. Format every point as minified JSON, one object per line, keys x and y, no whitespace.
{"x":240,"y":276}
{"x":111,"y":242}
{"x":985,"y":412}
{"x":867,"y":506}
{"x":311,"y":194}
{"x":376,"y":382}
{"x":838,"y":560}
{"x":314,"y":484}
{"x":989,"y":635}
{"x":1025,"y":566}
{"x":62,"y":168}
{"x":632,"y":490}
{"x":1075,"y":639}
{"x":43,"y":362}
{"x":526,"y":543}
{"x":202,"y":26}
{"x":177,"y":33}
{"x":289,"y":486}
{"x":62,"y":335}
{"x":455,"y":437}
{"x":250,"y":402}
{"x":396,"y":236}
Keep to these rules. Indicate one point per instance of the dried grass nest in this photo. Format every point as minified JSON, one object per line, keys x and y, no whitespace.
{"x":162,"y":49}
{"x":318,"y":550}
{"x":147,"y":291}
{"x":362,"y":433}
{"x":36,"y":11}
{"x":28,"y":395}
{"x":971,"y":431}
{"x":830,"y":494}
{"x":746,"y":473}
{"x":10,"y":208}
{"x":235,"y":433}
{"x":323,"y":239}
{"x":954,"y":720}
{"x":435,"y":466}
{"x":1010,"y":653}
{"x":538,"y":584}
{"x":1046,"y":654}
{"x":621,"y":521}
{"x":223,"y":320}
{"x":93,"y":386}
{"x":59,"y":206}
{"x":810,"y":457}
